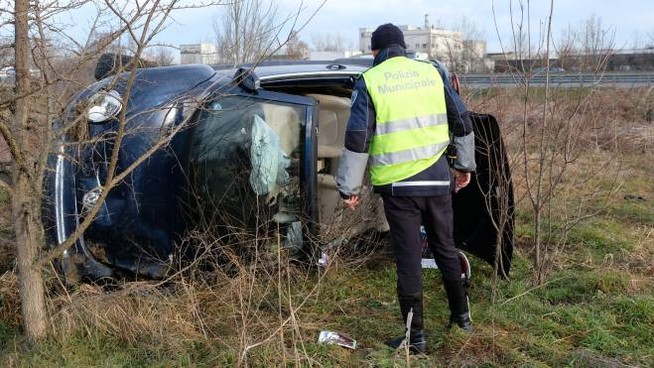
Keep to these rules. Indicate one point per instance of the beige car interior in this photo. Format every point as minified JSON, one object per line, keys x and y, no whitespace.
{"x":286,"y":122}
{"x":335,"y":220}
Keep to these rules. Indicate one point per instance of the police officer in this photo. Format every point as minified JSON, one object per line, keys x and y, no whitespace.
{"x":402,"y":115}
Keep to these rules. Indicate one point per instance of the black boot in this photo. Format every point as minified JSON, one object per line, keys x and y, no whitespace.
{"x":417,"y":342}
{"x":461,"y":320}
{"x":457,"y":298}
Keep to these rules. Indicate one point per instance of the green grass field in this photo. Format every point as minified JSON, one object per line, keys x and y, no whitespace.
{"x":595,"y":308}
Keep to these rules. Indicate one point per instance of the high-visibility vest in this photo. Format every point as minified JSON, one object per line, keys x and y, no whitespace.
{"x":411,"y":130}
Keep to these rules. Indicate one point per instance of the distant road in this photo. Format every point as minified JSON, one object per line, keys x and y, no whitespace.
{"x":566,"y":80}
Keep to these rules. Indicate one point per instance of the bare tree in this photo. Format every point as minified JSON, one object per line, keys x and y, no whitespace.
{"x":330,"y":42}
{"x":521,"y":39}
{"x":48,"y":62}
{"x":587,"y":46}
{"x":553,"y":130}
{"x":246,"y":31}
{"x":466,"y":53}
{"x":296,"y":49}
{"x":43,"y":71}
{"x":160,"y":55}
{"x":25,"y":205}
{"x":517,"y":50}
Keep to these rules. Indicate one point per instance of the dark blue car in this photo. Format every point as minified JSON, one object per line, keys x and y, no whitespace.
{"x":250,"y":150}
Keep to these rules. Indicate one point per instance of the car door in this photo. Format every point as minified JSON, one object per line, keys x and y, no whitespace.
{"x":253,"y":165}
{"x":484,"y":210}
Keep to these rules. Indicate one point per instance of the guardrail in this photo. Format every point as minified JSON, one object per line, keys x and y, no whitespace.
{"x":566,"y":80}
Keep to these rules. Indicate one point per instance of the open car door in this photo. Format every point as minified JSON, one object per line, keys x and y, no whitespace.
{"x":484,"y":210}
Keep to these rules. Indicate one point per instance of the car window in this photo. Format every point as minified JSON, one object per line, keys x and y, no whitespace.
{"x":269,"y":162}
{"x":242,"y":144}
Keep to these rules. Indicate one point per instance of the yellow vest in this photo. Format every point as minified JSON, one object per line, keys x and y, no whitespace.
{"x":411,"y":130}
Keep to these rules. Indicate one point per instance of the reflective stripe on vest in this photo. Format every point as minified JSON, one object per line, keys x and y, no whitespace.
{"x":411,"y":128}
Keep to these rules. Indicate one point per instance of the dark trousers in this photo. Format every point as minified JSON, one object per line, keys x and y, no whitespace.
{"x":405,"y":215}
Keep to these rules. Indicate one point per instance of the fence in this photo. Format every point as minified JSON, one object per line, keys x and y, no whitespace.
{"x":568,"y":80}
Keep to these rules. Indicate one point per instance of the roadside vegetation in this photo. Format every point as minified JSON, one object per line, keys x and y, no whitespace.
{"x":593,"y":305}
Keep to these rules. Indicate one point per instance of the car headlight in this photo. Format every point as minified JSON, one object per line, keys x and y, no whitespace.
{"x":104,"y":105}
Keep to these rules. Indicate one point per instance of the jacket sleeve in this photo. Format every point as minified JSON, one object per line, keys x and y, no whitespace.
{"x":360,"y":128}
{"x":460,"y":127}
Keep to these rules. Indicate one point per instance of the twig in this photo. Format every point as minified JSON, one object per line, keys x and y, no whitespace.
{"x":532,"y":289}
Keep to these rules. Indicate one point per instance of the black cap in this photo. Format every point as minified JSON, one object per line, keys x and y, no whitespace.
{"x":386,"y":35}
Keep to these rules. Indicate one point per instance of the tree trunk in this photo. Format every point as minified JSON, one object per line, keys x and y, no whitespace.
{"x":25,"y":196}
{"x":28,"y":242}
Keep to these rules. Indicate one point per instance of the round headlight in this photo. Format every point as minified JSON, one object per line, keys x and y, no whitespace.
{"x":104,"y":105}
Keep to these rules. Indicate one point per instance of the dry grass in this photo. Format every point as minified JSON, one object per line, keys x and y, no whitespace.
{"x":9,"y":301}
{"x":242,"y":308}
{"x":590,"y":147}
{"x":137,"y":313}
{"x":263,"y":310}
{"x":603,"y":118}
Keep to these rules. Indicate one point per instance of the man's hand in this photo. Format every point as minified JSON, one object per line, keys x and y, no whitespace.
{"x":351,"y":202}
{"x":461,"y":180}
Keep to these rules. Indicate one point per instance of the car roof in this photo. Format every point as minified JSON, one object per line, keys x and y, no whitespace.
{"x":285,"y":69}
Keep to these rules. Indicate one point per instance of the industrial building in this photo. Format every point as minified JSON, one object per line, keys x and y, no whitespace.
{"x":447,"y":46}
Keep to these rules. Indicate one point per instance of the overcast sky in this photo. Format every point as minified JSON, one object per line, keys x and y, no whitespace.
{"x":631,"y":20}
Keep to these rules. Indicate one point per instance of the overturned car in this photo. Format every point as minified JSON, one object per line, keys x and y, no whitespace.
{"x":231,"y":148}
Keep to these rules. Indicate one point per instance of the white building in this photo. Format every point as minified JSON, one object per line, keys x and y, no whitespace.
{"x":199,"y":53}
{"x":449,"y":47}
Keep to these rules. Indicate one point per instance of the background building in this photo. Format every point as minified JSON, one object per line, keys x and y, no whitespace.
{"x":198,"y":53}
{"x":449,"y":47}
{"x":598,"y":61}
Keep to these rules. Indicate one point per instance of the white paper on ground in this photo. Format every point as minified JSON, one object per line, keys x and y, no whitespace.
{"x":331,"y":337}
{"x":429,"y":263}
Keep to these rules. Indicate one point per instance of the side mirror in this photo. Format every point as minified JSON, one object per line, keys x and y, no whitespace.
{"x":110,"y":64}
{"x":246,"y":79}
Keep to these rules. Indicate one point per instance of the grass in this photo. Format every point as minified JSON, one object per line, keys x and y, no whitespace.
{"x":596,"y":307}
{"x":6,"y":335}
{"x":95,"y":351}
{"x":517,"y":324}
